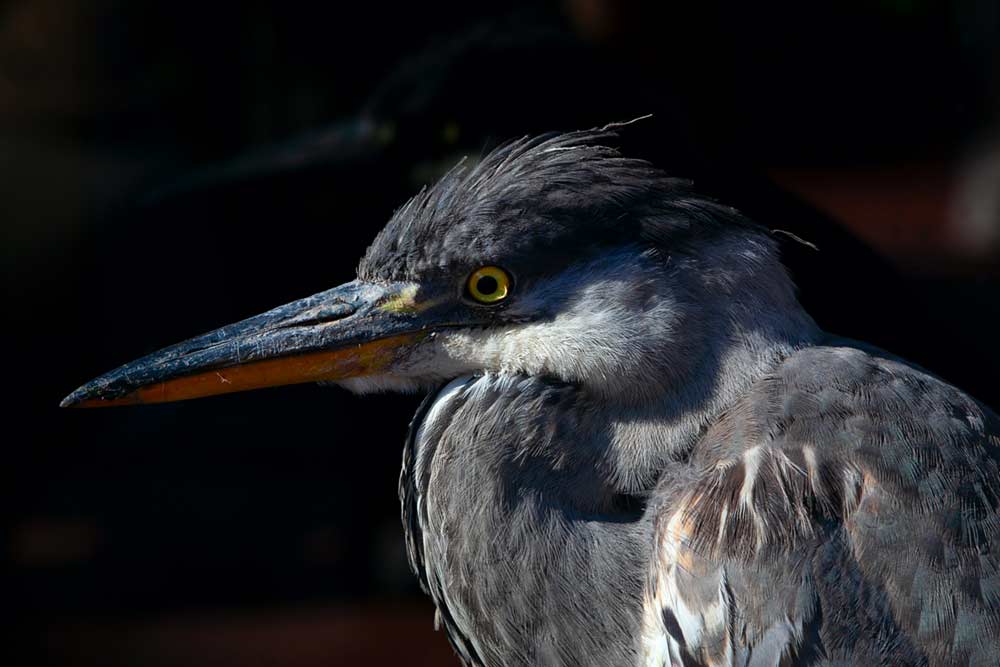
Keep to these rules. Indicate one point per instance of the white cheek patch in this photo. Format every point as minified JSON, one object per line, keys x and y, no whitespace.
{"x":576,"y":347}
{"x":613,"y":316}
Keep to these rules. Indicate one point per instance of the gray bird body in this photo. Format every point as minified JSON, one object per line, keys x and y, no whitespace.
{"x":840,"y":512}
{"x":642,"y":451}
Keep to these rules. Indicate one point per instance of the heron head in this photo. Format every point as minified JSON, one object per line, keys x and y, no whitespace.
{"x":553,"y":256}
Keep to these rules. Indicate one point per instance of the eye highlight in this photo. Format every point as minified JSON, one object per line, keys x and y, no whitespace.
{"x":488,"y":285}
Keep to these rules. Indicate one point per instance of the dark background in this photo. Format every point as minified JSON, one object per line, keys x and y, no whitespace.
{"x":167,"y":167}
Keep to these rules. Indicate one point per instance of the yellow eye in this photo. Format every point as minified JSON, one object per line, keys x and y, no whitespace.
{"x":489,"y":284}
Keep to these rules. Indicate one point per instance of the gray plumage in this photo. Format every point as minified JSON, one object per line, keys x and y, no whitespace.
{"x":729,"y":485}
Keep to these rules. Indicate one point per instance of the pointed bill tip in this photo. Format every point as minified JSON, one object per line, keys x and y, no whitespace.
{"x":75,"y":398}
{"x":89,"y":397}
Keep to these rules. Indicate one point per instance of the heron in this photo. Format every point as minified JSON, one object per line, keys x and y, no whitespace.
{"x":636,"y":447}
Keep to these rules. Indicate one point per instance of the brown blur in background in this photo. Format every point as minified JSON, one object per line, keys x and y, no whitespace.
{"x":167,"y":167}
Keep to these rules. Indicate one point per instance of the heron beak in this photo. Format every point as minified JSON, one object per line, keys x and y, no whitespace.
{"x":353,"y":330}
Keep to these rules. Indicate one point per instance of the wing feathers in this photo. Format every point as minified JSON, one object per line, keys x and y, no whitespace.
{"x":873,"y":467}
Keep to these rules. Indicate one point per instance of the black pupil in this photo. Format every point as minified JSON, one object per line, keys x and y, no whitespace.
{"x":487,"y":285}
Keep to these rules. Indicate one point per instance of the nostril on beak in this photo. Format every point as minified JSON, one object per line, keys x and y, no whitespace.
{"x":328,"y":312}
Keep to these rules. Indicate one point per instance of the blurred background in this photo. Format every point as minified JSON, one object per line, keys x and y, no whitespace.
{"x":170,"y":166}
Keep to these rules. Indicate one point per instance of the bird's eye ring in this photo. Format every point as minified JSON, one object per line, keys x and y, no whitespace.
{"x":488,"y":285}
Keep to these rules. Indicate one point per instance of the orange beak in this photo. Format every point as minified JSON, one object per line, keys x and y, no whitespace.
{"x":354,"y":330}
